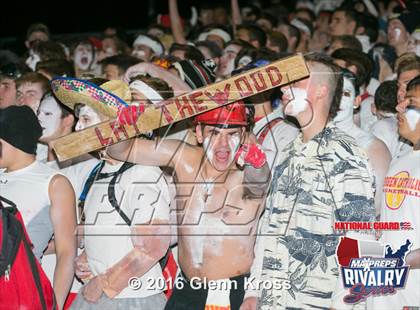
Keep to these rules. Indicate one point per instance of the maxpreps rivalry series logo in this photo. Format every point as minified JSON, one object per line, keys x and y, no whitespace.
{"x":370,"y":268}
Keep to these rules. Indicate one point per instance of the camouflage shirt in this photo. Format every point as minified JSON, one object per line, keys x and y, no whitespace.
{"x":325,"y":180}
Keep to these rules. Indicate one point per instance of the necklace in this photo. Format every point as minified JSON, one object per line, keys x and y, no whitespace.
{"x":209,"y":185}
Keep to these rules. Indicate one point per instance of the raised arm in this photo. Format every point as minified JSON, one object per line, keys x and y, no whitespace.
{"x":236,"y":14}
{"x":256,"y":169}
{"x":149,"y":152}
{"x":63,"y":217}
{"x":176,"y":25}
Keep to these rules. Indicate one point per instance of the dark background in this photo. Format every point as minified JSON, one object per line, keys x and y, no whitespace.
{"x":79,"y":16}
{"x":73,"y":17}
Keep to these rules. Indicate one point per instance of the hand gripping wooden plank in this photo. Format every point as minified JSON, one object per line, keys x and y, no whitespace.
{"x":181,"y":107}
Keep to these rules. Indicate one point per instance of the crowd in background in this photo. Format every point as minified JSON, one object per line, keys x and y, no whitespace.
{"x":375,"y":43}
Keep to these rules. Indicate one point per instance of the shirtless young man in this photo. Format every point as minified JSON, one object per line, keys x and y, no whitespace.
{"x":218,"y":204}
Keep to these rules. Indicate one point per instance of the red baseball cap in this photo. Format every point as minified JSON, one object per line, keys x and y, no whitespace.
{"x":231,"y":114}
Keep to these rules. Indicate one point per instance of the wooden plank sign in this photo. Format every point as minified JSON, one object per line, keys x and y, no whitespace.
{"x":181,"y":107}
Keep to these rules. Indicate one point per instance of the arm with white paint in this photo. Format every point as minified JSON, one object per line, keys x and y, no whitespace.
{"x":162,"y":153}
{"x":150,"y":234}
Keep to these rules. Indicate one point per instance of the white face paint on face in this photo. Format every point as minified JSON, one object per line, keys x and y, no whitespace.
{"x":412,"y":115}
{"x":83,"y":56}
{"x":295,"y":101}
{"x":227,"y":61}
{"x":414,"y":43}
{"x":87,"y":117}
{"x":347,"y":101}
{"x":139,"y":53}
{"x":142,"y":52}
{"x":216,"y":152}
{"x":32,"y":60}
{"x":49,"y":116}
{"x":207,"y":149}
{"x":397,"y":33}
{"x":234,"y":144}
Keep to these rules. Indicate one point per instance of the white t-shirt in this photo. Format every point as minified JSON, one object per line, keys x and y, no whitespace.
{"x":386,"y":130}
{"x":401,"y":203}
{"x":28,"y":189}
{"x":367,"y":118}
{"x":41,"y":152}
{"x":143,"y":195}
{"x":79,"y":173}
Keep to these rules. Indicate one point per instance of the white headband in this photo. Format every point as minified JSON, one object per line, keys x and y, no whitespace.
{"x":146,"y":90}
{"x":217,"y":32}
{"x":145,"y":40}
{"x":300,"y":25}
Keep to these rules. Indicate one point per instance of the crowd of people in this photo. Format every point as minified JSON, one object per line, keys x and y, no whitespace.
{"x":247,"y":193}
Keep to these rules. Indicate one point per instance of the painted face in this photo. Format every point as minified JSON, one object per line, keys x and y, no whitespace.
{"x":412,"y":115}
{"x":347,"y":101}
{"x":87,"y":117}
{"x":396,"y":32}
{"x":295,"y":100}
{"x":414,"y":43}
{"x":142,"y":52}
{"x":409,"y":116}
{"x":49,"y":116}
{"x":221,"y":145}
{"x":29,"y":94}
{"x":109,"y":49}
{"x":83,"y":56}
{"x":227,"y":61}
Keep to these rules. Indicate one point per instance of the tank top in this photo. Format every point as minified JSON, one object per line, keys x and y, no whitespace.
{"x":28,"y":188}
